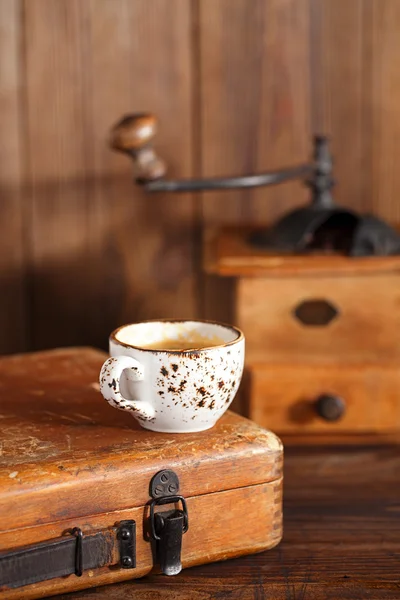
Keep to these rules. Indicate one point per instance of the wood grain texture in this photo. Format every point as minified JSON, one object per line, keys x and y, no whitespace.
{"x":324,"y":66}
{"x":254,"y":111}
{"x":60,"y":427}
{"x":215,"y":534}
{"x":341,"y":538}
{"x":340,"y":73}
{"x":57,"y":146}
{"x":254,"y":100}
{"x":364,"y":329}
{"x":383,"y":22}
{"x":68,"y":459}
{"x":282,"y":397}
{"x":227,"y":253}
{"x":149,"y":241}
{"x":355,"y":82}
{"x":13,"y":300}
{"x":238,"y":86}
{"x":104,"y":253}
{"x":290,"y":365}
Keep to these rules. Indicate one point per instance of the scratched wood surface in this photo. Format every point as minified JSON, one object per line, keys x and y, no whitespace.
{"x":67,"y":457}
{"x":55,"y":414}
{"x":341,"y":538}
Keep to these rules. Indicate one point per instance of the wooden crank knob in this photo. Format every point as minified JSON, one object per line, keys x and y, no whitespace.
{"x":134,"y":135}
{"x":133,"y":132}
{"x":330,"y":407}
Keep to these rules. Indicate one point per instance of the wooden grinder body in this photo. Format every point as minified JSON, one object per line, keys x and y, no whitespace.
{"x":322,"y":343}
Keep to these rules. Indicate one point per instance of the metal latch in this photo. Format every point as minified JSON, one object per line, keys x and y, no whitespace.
{"x":168,"y":527}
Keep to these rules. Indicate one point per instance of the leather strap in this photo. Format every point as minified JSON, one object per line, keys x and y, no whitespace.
{"x":56,"y":558}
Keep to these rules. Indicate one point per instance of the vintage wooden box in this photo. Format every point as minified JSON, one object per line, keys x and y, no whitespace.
{"x":76,"y":478}
{"x":322,"y":341}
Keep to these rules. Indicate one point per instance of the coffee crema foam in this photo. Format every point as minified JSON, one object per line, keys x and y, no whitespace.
{"x":192,"y":343}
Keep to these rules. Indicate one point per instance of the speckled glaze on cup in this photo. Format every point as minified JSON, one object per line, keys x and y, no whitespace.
{"x":173,"y":391}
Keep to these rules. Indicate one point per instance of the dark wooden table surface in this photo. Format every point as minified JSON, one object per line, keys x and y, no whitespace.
{"x":341,"y":538}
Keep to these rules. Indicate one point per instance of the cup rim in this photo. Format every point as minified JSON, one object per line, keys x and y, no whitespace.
{"x":240,"y":336}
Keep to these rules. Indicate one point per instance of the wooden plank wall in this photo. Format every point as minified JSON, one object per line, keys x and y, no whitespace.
{"x":104,"y":253}
{"x":13,"y":318}
{"x":238,"y":85}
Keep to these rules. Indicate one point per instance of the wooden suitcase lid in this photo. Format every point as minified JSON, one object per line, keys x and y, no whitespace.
{"x":64,"y":452}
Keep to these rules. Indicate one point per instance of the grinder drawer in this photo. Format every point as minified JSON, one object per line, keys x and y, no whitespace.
{"x":290,"y":398}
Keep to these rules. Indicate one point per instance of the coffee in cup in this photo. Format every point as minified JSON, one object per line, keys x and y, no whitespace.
{"x":173,"y":376}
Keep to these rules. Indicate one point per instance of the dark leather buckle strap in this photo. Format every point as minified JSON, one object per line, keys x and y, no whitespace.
{"x":65,"y":555}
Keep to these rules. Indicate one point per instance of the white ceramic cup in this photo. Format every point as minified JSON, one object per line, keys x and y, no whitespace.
{"x":183,"y":387}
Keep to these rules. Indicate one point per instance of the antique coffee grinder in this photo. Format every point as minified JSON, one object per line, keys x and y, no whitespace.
{"x":317,"y":295}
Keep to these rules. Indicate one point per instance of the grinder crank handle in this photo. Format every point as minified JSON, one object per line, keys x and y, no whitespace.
{"x":134,"y":135}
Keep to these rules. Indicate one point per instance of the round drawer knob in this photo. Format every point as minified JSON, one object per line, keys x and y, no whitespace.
{"x":329,"y":407}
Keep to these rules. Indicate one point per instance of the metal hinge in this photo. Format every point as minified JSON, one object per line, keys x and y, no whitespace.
{"x":127,"y":544}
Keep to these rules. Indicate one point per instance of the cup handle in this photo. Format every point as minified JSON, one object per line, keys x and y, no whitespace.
{"x":110,"y":376}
